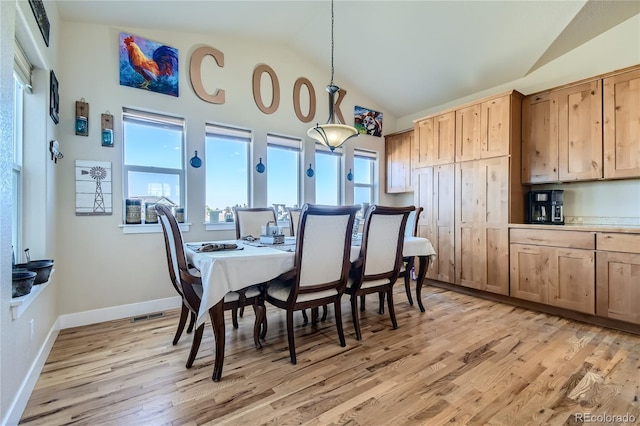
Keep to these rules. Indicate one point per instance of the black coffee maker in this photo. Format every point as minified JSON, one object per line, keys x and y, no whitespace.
{"x":545,"y":207}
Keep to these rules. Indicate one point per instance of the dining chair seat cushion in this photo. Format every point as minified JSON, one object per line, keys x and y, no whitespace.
{"x":369,"y":284}
{"x":280,"y":290}
{"x":233,"y":296}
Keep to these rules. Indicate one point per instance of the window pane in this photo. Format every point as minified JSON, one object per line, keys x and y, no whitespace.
{"x":362,"y":195}
{"x":145,"y":184}
{"x":283,"y":173}
{"x":327,"y":179}
{"x":152,"y":145}
{"x":226,"y":172}
{"x":362,"y":168}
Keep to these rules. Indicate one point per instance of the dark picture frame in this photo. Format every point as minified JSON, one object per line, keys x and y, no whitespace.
{"x":37,"y":6}
{"x":54,"y":98}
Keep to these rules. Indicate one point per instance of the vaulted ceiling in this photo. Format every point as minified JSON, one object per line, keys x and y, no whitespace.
{"x":407,"y":56}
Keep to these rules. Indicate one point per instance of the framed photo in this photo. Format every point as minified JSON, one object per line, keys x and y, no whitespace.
{"x":367,"y":122}
{"x":54,"y":98}
{"x":37,"y":6}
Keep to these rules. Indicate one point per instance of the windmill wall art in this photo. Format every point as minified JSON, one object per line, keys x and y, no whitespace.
{"x":93,"y":188}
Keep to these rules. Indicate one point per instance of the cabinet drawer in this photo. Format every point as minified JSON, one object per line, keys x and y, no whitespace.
{"x":545,"y":237}
{"x":627,"y":243}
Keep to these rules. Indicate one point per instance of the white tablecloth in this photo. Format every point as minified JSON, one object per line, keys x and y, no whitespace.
{"x":231,"y":270}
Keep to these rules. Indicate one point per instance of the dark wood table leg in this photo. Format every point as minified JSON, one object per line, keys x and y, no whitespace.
{"x":217,"y":320}
{"x":423,"y":262}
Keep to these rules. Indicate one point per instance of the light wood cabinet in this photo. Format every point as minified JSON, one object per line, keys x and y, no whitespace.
{"x":622,"y":125}
{"x":434,"y":191}
{"x":482,"y":214}
{"x":562,"y":134}
{"x":500,"y":125}
{"x":398,"y":158}
{"x":435,"y":140}
{"x":553,"y":267}
{"x":468,"y":127}
{"x":618,"y":276}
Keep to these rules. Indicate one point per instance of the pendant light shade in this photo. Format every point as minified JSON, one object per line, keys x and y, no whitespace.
{"x":332,"y":134}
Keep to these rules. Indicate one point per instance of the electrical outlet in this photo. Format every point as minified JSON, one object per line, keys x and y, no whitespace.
{"x":31,"y":330}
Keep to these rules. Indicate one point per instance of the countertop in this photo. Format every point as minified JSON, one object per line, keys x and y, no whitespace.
{"x":629,"y":229}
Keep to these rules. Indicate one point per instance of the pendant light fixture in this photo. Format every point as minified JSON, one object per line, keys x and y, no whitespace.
{"x":332,"y":134}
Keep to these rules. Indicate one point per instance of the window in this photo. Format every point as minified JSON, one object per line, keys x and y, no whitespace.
{"x":153,"y":149}
{"x":283,"y":173}
{"x":16,"y":224}
{"x":364,"y":166}
{"x":227,"y":171}
{"x":328,"y":175}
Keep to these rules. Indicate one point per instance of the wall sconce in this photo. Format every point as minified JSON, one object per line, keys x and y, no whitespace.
{"x":310,"y":171}
{"x":54,"y":148}
{"x":82,"y":118}
{"x":260,"y":168}
{"x":107,"y":129}
{"x":195,"y":161}
{"x":350,"y":176}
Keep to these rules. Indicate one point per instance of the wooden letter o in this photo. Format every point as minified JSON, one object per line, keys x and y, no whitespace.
{"x":296,"y":99}
{"x":195,"y":73}
{"x":275,"y":89}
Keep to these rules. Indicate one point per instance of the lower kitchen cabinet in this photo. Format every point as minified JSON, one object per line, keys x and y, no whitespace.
{"x":553,"y":267}
{"x":618,"y":276}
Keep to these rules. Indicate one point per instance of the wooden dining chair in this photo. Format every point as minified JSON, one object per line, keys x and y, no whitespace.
{"x":250,"y":220}
{"x":322,"y":263}
{"x":294,"y":219}
{"x":378,"y":266}
{"x":408,"y":262}
{"x":189,"y":283}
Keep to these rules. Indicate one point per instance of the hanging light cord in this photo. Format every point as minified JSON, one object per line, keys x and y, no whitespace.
{"x":331,"y":42}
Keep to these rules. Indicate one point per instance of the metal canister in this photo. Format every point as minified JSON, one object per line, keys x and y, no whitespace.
{"x":180,"y":214}
{"x":133,"y":211}
{"x":150,"y":214}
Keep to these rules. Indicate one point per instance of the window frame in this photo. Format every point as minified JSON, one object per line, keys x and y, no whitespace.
{"x":287,"y":143}
{"x":157,"y":120}
{"x":17,"y":165}
{"x":321,"y":149}
{"x":373,"y":156}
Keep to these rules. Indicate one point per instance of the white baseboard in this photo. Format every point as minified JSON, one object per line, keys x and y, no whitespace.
{"x":117,"y":312}
{"x":14,"y":413}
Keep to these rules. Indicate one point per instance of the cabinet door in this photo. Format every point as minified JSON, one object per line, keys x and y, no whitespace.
{"x":495,"y":135}
{"x":423,"y":142}
{"x":580,"y":132}
{"x":444,"y":142}
{"x":572,"y":283}
{"x":529,"y":272}
{"x":423,"y":197}
{"x":618,"y":286}
{"x":468,"y":133}
{"x":398,"y":158}
{"x":470,"y":265}
{"x":622,"y":125}
{"x":540,"y":139}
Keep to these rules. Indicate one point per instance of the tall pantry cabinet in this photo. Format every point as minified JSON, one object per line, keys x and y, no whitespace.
{"x":470,"y":189}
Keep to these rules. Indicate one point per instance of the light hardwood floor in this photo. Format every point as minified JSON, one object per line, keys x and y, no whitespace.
{"x":464,"y":361}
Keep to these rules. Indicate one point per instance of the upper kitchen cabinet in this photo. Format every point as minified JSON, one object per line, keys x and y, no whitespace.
{"x":434,"y":140}
{"x":622,"y":125}
{"x":398,"y":155}
{"x":562,"y":134}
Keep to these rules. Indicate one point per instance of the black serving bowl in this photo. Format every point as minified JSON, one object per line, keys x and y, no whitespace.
{"x":22,"y":282}
{"x":41,"y":267}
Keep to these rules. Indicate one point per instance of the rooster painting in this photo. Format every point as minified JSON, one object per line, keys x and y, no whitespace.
{"x":148,"y":65}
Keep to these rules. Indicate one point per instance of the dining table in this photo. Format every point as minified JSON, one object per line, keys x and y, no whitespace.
{"x":253,"y":262}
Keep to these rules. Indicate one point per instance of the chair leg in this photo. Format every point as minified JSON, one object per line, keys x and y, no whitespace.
{"x":234,"y":317}
{"x":259,"y":311}
{"x":195,"y":345}
{"x":314,"y":315}
{"x":337,"y":310}
{"x":392,"y":312}
{"x":192,"y":323}
{"x":241,"y":312}
{"x":184,"y":313}
{"x":324,"y":313}
{"x":381,"y":300}
{"x":305,"y":317}
{"x":292,"y":343}
{"x":355,"y":316}
{"x":362,"y":303}
{"x":407,"y":280}
{"x":263,"y":333}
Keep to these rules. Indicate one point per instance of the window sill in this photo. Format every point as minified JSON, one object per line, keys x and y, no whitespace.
{"x":20,"y":304}
{"x":220,"y":226}
{"x":150,"y":228}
